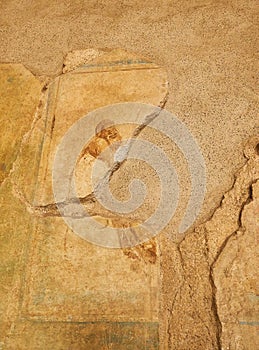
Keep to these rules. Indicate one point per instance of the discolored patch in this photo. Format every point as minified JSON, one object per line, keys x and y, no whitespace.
{"x":146,"y":251}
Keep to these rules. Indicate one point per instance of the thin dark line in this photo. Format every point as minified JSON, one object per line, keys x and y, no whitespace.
{"x":93,"y":322}
{"x":119,"y":70}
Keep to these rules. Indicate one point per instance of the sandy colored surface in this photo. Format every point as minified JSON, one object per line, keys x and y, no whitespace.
{"x":207,"y":48}
{"x":208,"y":288}
{"x":115,"y":290}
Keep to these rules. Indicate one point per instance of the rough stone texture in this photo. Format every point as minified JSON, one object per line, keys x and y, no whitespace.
{"x":236,"y":281}
{"x":209,"y":283}
{"x":207,"y":48}
{"x":214,"y":272}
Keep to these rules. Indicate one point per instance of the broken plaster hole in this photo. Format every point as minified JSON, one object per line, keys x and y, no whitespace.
{"x":257,"y":149}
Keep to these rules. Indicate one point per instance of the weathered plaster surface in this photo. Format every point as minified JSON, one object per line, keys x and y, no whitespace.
{"x":199,"y":308}
{"x":208,"y":282}
{"x":61,"y":278}
{"x":211,"y":277}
